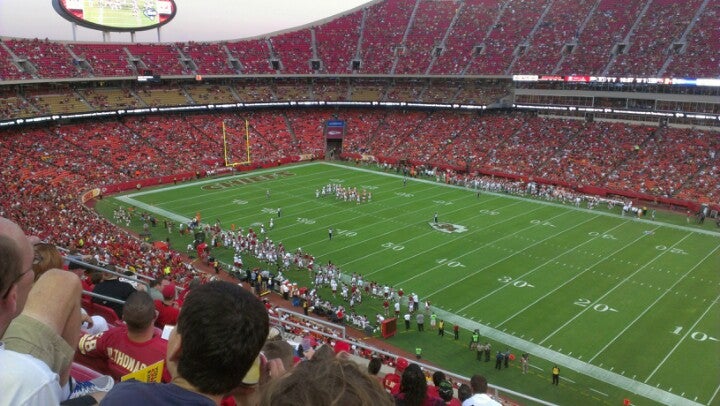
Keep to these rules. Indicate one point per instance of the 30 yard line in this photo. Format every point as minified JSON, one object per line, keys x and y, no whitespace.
{"x":540,"y":266}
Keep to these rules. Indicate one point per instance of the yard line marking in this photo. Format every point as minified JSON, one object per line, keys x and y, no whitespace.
{"x":611,"y":290}
{"x":573,"y":278}
{"x":443,"y":244}
{"x":536,"y":201}
{"x":691,"y":329}
{"x":541,"y":265}
{"x":496,"y":262}
{"x":417,"y":236}
{"x":597,"y":391}
{"x":647,"y":308}
{"x":713,"y":395}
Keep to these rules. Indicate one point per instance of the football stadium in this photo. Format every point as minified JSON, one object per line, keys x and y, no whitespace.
{"x":412,"y":202}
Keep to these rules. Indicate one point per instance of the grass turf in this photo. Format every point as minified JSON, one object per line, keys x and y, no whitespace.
{"x":626,"y":307}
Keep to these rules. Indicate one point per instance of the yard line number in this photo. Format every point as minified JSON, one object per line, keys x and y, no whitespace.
{"x":542,"y":223}
{"x":450,"y":263}
{"x":489,"y":212}
{"x":598,"y":307}
{"x":393,"y":246}
{"x":303,"y":220}
{"x":677,"y":251}
{"x":697,"y":335}
{"x":605,"y":236}
{"x":346,"y":233}
{"x":518,"y":283}
{"x":403,"y":194}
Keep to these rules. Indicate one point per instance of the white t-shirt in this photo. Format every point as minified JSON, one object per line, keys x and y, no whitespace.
{"x":27,"y":380}
{"x":480,"y":399}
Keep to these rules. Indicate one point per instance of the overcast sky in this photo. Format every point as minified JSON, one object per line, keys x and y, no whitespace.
{"x":196,"y":20}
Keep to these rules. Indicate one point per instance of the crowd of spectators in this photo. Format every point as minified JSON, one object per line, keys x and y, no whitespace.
{"x":699,"y":58}
{"x":608,"y":26}
{"x":662,"y":162}
{"x":653,"y":37}
{"x":294,"y":51}
{"x":51,"y":59}
{"x":337,"y":42}
{"x":517,"y":20}
{"x":106,"y":60}
{"x":559,"y":28}
{"x":472,"y":37}
{"x":427,"y":31}
{"x":382,"y":34}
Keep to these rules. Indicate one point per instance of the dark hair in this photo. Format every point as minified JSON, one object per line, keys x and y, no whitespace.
{"x":413,"y":385}
{"x":138,"y":311}
{"x":330,"y":381}
{"x":323,"y":352}
{"x":438,"y":377}
{"x":464,"y":392}
{"x":478,"y":383}
{"x":222,"y":328}
{"x":374,"y":365}
{"x":96,"y":277}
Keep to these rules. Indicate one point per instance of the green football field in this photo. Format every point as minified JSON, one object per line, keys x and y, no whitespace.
{"x":121,"y":14}
{"x":627,"y":308}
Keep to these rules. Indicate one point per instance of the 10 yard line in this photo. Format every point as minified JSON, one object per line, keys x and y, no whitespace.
{"x":683,"y":339}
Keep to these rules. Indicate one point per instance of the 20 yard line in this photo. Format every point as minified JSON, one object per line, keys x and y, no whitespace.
{"x":647,"y":309}
{"x":611,"y":290}
{"x":541,"y":265}
{"x":536,"y":301}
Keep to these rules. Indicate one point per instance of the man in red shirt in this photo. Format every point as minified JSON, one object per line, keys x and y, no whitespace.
{"x":391,"y":382}
{"x":167,"y":309}
{"x":133,"y":346}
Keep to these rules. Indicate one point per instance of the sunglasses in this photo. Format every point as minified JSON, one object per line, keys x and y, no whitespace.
{"x":16,"y":280}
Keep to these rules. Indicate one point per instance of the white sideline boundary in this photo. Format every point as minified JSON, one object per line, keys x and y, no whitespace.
{"x":566,"y":361}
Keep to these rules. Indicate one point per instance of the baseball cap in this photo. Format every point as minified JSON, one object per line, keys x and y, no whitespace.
{"x":445,"y":390}
{"x":402,"y":363}
{"x":168,"y":291}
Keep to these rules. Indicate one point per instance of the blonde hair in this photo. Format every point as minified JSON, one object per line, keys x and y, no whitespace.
{"x":46,"y":257}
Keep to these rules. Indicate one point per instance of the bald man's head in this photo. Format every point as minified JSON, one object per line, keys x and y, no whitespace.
{"x":16,"y":255}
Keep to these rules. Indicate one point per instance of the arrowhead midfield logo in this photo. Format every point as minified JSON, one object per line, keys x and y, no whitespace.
{"x":448,"y":227}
